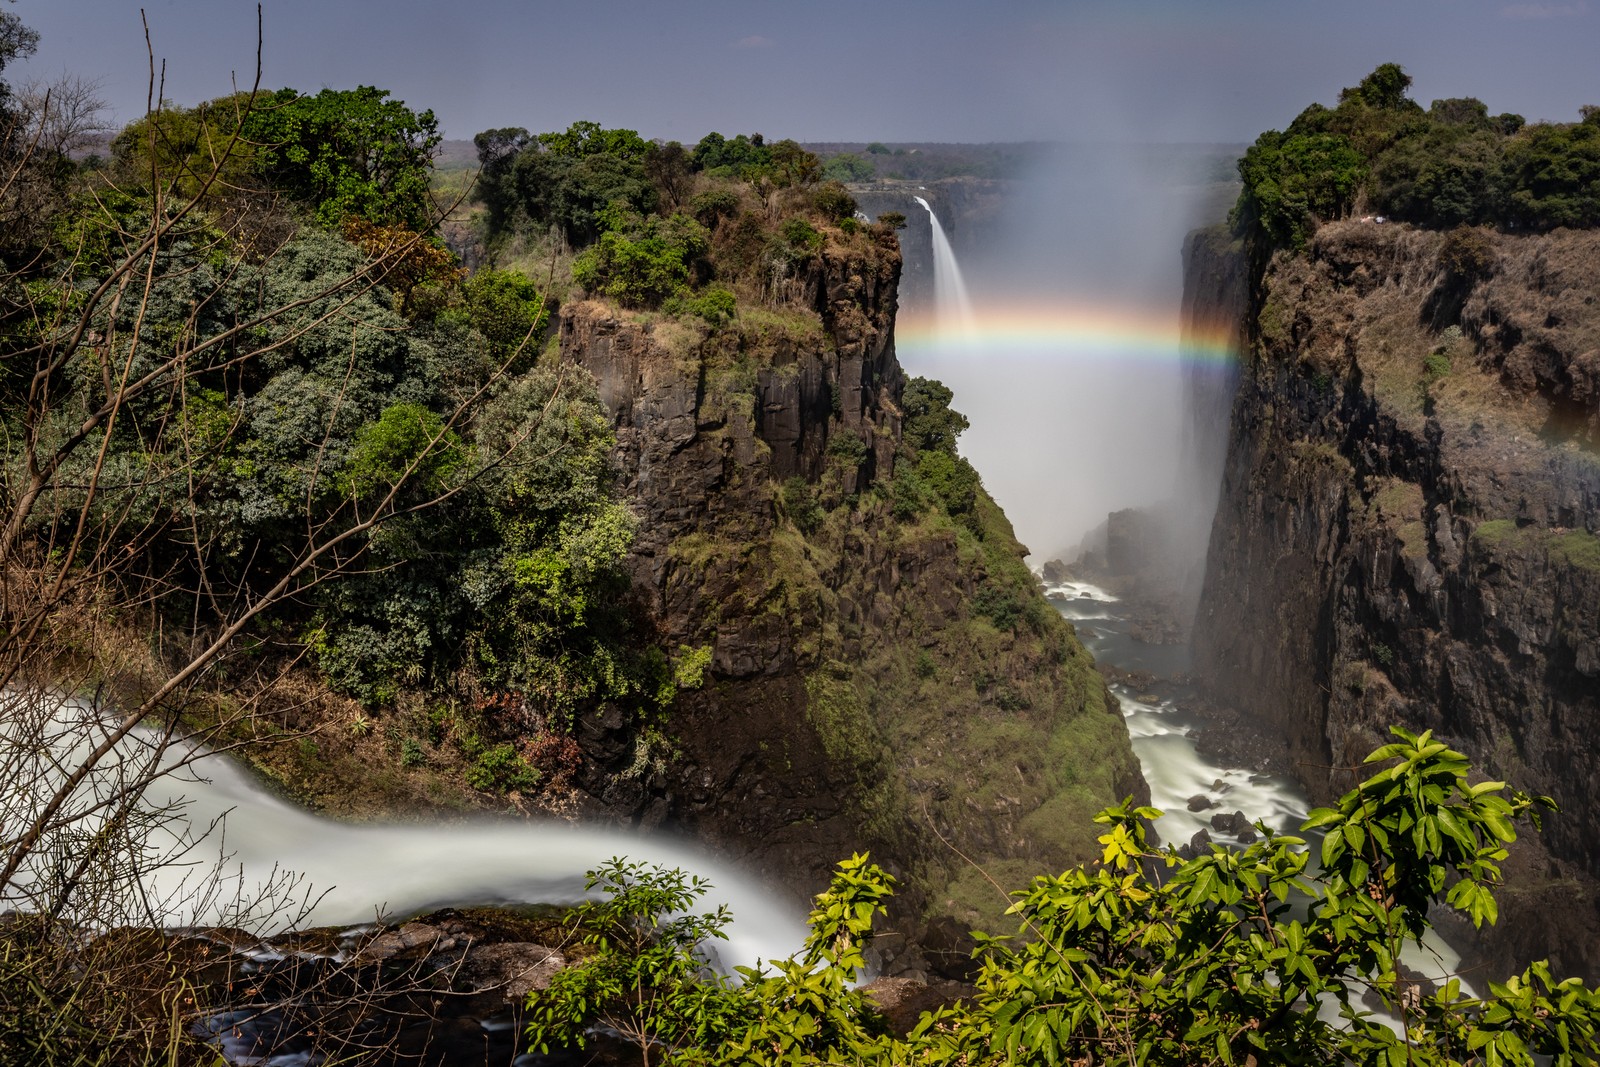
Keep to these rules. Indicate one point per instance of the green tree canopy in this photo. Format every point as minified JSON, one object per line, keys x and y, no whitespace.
{"x":849,"y":167}
{"x":563,"y":179}
{"x":930,"y":423}
{"x":348,"y":152}
{"x":1450,"y":165}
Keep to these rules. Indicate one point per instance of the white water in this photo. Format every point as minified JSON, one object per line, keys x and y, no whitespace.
{"x":952,"y":303}
{"x":353,"y":873}
{"x":1163,"y":734}
{"x":1164,"y":740}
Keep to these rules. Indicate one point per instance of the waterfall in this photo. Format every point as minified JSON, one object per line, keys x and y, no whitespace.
{"x":952,"y":304}
{"x":216,"y":837}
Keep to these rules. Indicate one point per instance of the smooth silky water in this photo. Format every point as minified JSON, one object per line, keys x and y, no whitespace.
{"x":225,"y":839}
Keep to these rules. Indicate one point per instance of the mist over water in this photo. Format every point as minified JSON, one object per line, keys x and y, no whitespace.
{"x":1064,"y":429}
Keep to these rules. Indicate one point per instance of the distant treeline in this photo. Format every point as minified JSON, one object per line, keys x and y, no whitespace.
{"x":1379,"y":152}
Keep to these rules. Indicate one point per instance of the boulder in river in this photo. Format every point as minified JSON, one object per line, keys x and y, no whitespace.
{"x":1236,"y":824}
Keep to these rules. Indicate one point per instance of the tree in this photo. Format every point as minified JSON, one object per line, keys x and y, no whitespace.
{"x":1551,"y":176}
{"x":497,"y":153}
{"x":347,"y":152}
{"x":1384,"y":88}
{"x":930,"y":422}
{"x":1460,"y":111}
{"x":1291,"y":181}
{"x":1236,"y":956}
{"x":566,"y":179}
{"x":848,"y":167}
{"x":17,"y":41}
{"x":584,"y":138}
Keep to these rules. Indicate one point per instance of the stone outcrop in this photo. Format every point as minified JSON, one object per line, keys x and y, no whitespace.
{"x":854,"y":698}
{"x":1407,"y":528}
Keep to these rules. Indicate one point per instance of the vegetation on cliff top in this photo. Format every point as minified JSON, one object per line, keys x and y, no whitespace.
{"x":1380,"y":153}
{"x":693,"y":231}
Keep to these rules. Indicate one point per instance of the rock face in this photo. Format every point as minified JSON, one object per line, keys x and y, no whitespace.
{"x":1407,"y":527}
{"x":855,"y":699}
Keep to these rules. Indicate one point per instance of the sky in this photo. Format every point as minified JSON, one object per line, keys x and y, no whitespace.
{"x":827,"y":70}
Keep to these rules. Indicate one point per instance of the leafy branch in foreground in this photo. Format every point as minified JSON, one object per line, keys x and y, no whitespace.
{"x":1248,"y":956}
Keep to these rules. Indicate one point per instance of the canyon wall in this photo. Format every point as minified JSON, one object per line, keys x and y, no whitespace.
{"x":880,"y":676}
{"x":1406,"y":532}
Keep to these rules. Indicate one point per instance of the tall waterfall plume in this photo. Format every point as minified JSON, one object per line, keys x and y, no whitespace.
{"x":952,"y":303}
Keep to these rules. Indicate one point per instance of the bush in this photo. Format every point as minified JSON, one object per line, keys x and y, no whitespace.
{"x":799,"y":233}
{"x":907,"y":495}
{"x":714,"y":205}
{"x":1001,"y":606}
{"x":800,"y":504}
{"x":1467,"y":254}
{"x":647,"y":264}
{"x":715,"y":305}
{"x":951,"y":479}
{"x":846,"y":446}
{"x":689,"y":666}
{"x":834,"y":201}
{"x":1234,"y":956}
{"x":500,"y":769}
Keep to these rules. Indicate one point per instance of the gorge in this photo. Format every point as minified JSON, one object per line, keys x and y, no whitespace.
{"x":655,"y":522}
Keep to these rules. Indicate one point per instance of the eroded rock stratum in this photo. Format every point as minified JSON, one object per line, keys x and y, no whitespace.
{"x":1407,"y":526}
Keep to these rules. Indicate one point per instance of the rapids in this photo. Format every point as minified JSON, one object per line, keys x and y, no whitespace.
{"x":1164,"y":738}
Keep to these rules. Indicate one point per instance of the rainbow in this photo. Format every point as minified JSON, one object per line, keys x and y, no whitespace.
{"x":1066,"y":333}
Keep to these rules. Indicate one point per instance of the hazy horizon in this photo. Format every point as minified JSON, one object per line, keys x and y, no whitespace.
{"x":1164,"y":71}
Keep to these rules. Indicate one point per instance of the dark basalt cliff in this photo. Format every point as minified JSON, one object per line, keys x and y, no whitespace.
{"x":855,"y":697}
{"x":1407,"y":527}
